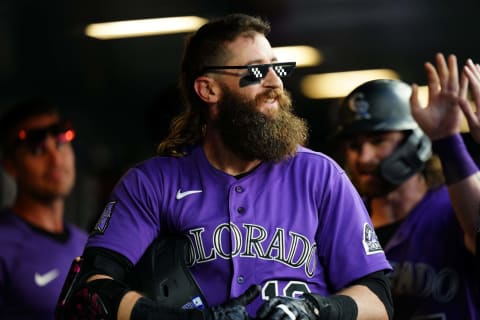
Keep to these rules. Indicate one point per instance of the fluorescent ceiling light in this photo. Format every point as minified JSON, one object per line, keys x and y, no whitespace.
{"x":143,"y":27}
{"x":339,"y":84}
{"x":305,"y":56}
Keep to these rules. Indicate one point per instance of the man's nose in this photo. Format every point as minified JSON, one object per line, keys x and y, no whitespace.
{"x":272,"y":80}
{"x":366,"y":152}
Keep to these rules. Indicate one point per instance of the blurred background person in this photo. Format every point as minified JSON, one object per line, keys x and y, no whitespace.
{"x":388,"y":158}
{"x":36,"y":245}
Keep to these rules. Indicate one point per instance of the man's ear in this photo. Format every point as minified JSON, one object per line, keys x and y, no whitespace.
{"x":207,"y":89}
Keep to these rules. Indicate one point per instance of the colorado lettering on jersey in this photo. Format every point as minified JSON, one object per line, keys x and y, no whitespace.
{"x":294,"y":249}
{"x":422,"y":280}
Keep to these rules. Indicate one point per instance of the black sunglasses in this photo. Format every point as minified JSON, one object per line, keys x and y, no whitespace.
{"x":62,"y":131}
{"x":259,"y":71}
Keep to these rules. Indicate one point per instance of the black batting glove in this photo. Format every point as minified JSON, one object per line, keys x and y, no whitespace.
{"x":286,"y":308}
{"x":234,"y":309}
{"x":309,"y":307}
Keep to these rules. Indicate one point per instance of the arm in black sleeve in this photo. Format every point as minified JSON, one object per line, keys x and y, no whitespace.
{"x":100,"y":298}
{"x":379,"y":283}
{"x":335,"y":307}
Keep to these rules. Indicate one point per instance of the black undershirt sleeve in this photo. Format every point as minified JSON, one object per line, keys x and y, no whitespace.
{"x":104,"y":261}
{"x":379,"y":283}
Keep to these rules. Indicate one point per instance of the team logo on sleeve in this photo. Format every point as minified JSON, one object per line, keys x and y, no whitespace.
{"x":370,"y":240}
{"x":104,"y":220}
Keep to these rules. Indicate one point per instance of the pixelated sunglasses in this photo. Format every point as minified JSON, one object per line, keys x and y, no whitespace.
{"x":33,"y":138}
{"x":259,"y":71}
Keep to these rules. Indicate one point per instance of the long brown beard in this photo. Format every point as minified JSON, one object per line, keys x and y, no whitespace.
{"x":252,"y":134}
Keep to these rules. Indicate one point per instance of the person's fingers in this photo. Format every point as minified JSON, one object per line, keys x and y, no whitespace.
{"x":463,"y":90}
{"x":248,"y":296}
{"x":467,"y":111}
{"x":433,"y":80}
{"x":415,"y":106}
{"x":282,"y":312}
{"x":442,"y":68}
{"x":267,"y":307}
{"x":452,"y":83}
{"x":477,"y":67}
{"x":474,"y":69}
{"x":474,"y":83}
{"x":471,"y":117}
{"x":463,"y":100}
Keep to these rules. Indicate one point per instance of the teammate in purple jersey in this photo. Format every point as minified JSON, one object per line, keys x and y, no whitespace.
{"x":260,"y":210}
{"x":36,"y":244}
{"x":389,"y":160}
{"x":463,"y":179}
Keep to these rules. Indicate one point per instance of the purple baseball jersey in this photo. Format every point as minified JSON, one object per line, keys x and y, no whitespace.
{"x":33,"y":267}
{"x":434,"y":274}
{"x":291,"y":227}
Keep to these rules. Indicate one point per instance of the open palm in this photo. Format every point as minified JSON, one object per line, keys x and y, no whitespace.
{"x":472,"y":72}
{"x":442,"y":115}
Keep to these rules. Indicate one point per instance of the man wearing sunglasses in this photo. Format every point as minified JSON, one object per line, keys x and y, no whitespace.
{"x":36,"y":244}
{"x":277,"y":231}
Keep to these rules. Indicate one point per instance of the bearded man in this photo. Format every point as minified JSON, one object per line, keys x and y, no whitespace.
{"x":262,"y":212}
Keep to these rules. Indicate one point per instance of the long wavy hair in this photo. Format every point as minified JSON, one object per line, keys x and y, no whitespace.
{"x":207,"y":46}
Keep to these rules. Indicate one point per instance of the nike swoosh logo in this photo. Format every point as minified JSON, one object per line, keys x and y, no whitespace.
{"x":43,"y":279}
{"x":181,"y":195}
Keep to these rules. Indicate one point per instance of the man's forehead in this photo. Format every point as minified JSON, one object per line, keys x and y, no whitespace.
{"x":250,"y":49}
{"x":39,"y":121}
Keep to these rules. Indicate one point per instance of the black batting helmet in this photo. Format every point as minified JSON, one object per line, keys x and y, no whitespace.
{"x":384,"y":105}
{"x":378,"y":105}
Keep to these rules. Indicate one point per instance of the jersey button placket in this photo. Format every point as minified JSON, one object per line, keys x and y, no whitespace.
{"x":239,"y":189}
{"x":239,"y":208}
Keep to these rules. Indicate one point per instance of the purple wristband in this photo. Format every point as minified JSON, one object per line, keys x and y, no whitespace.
{"x":457,"y":163}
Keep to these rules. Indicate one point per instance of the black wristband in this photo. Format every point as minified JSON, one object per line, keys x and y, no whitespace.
{"x":457,"y":163}
{"x":335,"y":307}
{"x":147,"y":309}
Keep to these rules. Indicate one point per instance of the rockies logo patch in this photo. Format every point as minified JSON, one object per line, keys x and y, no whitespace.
{"x":360,"y":106}
{"x":370,"y":240}
{"x":104,"y":220}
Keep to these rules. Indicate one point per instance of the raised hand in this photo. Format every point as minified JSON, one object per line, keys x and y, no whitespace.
{"x":472,"y":72}
{"x":442,"y":116}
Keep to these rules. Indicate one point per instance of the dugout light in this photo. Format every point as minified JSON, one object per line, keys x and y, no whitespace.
{"x":340,"y":84}
{"x":143,"y":27}
{"x":304,"y":56}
